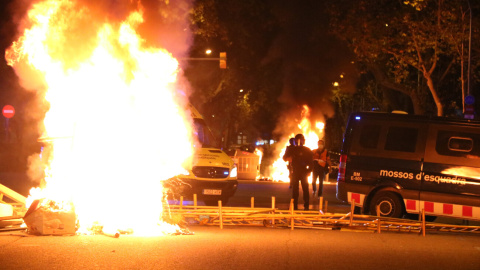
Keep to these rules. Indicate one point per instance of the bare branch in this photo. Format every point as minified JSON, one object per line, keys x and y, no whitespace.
{"x":446,"y":71}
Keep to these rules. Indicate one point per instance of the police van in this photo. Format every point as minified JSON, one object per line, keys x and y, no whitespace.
{"x":212,"y":175}
{"x":405,"y":163}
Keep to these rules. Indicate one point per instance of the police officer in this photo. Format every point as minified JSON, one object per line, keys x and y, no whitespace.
{"x":321,"y":164}
{"x":301,"y":158}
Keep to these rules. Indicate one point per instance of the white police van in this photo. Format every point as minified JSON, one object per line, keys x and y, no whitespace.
{"x":406,"y":163}
{"x":212,"y":175}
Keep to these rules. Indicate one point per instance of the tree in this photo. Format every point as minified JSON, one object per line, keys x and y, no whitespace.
{"x":411,"y":47}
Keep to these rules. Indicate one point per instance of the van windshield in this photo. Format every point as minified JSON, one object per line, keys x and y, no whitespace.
{"x":203,"y":134}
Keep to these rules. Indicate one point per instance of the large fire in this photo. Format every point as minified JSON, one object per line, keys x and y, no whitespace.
{"x":115,"y":127}
{"x":278,"y":170}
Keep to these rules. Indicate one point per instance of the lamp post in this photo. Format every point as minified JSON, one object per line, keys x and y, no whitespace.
{"x":469,"y":48}
{"x":467,"y":103}
{"x":469,"y":100}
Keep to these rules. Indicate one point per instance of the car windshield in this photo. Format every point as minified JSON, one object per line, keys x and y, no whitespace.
{"x":203,"y":134}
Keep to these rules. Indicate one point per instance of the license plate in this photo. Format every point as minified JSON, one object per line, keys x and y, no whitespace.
{"x":212,"y":192}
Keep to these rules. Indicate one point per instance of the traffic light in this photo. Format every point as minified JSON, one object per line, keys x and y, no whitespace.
{"x":223,"y":60}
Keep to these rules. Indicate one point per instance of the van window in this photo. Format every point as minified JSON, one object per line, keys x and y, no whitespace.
{"x":401,"y":139}
{"x":203,"y":135}
{"x":460,"y":144}
{"x":369,"y":136}
{"x":457,"y":144}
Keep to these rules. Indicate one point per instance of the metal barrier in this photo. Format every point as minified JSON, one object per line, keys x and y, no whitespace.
{"x":12,"y":208}
{"x":272,"y":217}
{"x":16,"y":202}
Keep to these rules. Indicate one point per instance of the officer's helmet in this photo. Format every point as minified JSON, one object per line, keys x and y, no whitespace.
{"x":292,"y":141}
{"x":299,"y":139}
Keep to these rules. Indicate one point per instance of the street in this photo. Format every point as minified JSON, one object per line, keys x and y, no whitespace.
{"x":243,"y":248}
{"x":263,"y":192}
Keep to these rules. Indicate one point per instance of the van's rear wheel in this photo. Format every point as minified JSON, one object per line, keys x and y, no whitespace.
{"x":390,"y":205}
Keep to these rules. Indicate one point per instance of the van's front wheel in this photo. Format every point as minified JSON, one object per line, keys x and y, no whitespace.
{"x":390,"y":205}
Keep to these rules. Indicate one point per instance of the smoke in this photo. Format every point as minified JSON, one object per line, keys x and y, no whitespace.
{"x":312,"y":61}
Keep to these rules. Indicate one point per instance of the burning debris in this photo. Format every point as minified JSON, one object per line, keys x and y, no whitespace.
{"x":46,"y":217}
{"x":110,"y":95}
{"x":50,"y":218}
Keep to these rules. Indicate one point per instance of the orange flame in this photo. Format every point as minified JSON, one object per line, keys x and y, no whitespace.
{"x":108,"y":128}
{"x":279,"y":171}
{"x":259,"y":153}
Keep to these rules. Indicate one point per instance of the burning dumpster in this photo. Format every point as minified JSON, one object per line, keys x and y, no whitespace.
{"x":43,"y":219}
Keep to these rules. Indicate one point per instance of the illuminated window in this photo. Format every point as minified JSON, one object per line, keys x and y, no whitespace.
{"x":241,"y":139}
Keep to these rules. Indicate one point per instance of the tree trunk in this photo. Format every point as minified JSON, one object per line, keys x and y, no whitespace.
{"x":433,"y":91}
{"x":382,"y":79}
{"x":418,"y":107}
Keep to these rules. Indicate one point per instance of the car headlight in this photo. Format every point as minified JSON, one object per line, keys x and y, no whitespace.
{"x":233,"y":172}
{"x":185,"y":172}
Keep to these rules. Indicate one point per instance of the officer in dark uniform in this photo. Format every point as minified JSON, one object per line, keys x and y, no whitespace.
{"x":301,"y":158}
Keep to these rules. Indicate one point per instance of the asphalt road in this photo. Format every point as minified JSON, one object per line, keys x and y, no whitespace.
{"x":263,"y":191}
{"x":243,"y":248}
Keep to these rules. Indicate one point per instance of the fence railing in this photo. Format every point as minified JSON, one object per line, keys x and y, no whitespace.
{"x":272,"y":217}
